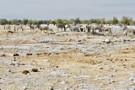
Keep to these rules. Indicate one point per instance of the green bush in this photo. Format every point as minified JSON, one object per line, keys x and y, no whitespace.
{"x":77,"y":21}
{"x":115,"y":21}
{"x":3,"y":21}
{"x":126,"y":20}
{"x":25,"y":21}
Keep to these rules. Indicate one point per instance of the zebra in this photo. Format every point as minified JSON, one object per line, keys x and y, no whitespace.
{"x":128,"y":31}
{"x":61,"y":26}
{"x":43,"y":28}
{"x":7,"y":27}
{"x":18,"y":27}
{"x":107,"y":30}
{"x":33,"y":27}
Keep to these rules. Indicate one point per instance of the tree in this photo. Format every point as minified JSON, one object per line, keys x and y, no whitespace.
{"x":65,"y":21}
{"x":25,"y":21}
{"x":59,"y":21}
{"x":102,"y":21}
{"x":19,"y":21}
{"x":3,"y":21}
{"x":30,"y":22}
{"x":133,"y":22}
{"x":108,"y":22}
{"x":14,"y":21}
{"x":126,"y":20}
{"x":97,"y":21}
{"x":53,"y":22}
{"x":71,"y":21}
{"x":85,"y":22}
{"x":77,"y":21}
{"x":35,"y":22}
{"x":92,"y":21}
{"x":9,"y":22}
{"x":115,"y":20}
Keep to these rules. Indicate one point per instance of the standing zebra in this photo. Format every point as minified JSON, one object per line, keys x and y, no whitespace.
{"x":43,"y":28}
{"x":18,"y":27}
{"x":61,"y":26}
{"x":7,"y":27}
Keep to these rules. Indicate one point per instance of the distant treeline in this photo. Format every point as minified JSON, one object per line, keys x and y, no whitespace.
{"x":124,"y":20}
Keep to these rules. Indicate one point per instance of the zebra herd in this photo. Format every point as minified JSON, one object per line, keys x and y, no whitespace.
{"x":15,"y":27}
{"x":89,"y":28}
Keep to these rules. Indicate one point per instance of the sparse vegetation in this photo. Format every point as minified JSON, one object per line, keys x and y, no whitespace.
{"x":124,"y":20}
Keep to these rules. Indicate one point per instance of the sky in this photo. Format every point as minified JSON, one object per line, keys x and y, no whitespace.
{"x":66,"y":9}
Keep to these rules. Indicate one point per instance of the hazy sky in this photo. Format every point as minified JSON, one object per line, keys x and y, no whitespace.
{"x":66,"y":9}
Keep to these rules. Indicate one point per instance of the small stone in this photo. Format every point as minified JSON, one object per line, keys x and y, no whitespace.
{"x":16,"y":54}
{"x":57,"y":80}
{"x":81,"y":76}
{"x":28,"y":54}
{"x":133,"y":88}
{"x":101,"y":84}
{"x":9,"y":70}
{"x":112,"y":81}
{"x":133,"y":74}
{"x":100,"y":67}
{"x":12,"y":64}
{"x":79,"y":40}
{"x":3,"y":55}
{"x":103,"y":78}
{"x":132,"y":83}
{"x":34,"y":70}
{"x":63,"y":82}
{"x":63,"y":74}
{"x":97,"y":75}
{"x":25,"y":72}
{"x":122,"y":82}
{"x":25,"y":88}
{"x":84,"y":85}
{"x":107,"y":41}
{"x":51,"y":88}
{"x":115,"y":70}
{"x":21,"y":64}
{"x":66,"y":88}
{"x":45,"y":60}
{"x":57,"y":66}
{"x":49,"y":65}
{"x":111,"y":75}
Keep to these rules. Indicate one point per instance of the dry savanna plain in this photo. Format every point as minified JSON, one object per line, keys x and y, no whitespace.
{"x":34,"y":60}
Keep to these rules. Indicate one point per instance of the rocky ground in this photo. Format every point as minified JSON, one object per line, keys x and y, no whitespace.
{"x":66,"y":61}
